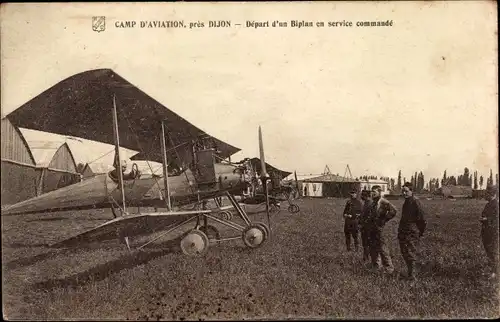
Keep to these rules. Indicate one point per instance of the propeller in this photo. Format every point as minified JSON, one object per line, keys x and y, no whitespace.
{"x":264,"y":175}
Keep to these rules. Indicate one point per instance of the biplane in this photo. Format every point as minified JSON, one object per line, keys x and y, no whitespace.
{"x":100,"y":105}
{"x":277,"y":191}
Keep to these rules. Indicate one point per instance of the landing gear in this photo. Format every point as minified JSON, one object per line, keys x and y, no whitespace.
{"x":195,"y":243}
{"x":255,"y":235}
{"x":212,"y":233}
{"x":265,"y":228}
{"x":226,"y":215}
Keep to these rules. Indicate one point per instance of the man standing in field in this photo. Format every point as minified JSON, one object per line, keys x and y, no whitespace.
{"x":411,"y":227}
{"x":352,"y":211}
{"x":381,"y":211}
{"x":489,"y":229}
{"x":365,"y":224}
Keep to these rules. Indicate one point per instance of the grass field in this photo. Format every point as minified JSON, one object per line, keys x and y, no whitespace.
{"x":303,"y":271}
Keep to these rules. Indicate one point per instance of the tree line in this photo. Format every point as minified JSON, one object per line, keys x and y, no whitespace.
{"x":474,"y":180}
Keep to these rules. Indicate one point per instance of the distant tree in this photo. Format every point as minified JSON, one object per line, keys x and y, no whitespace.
{"x":452,"y":181}
{"x":421,"y":181}
{"x":496,"y":179}
{"x":465,"y":177}
{"x":399,"y":181}
{"x":481,"y":182}
{"x":475,"y":180}
{"x":445,"y":179}
{"x":490,"y":179}
{"x":393,"y":183}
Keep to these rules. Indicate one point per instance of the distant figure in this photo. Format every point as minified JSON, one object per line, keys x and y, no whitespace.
{"x":489,"y":228}
{"x":364,"y":224}
{"x":352,"y":211}
{"x":381,"y":211}
{"x":411,"y":228}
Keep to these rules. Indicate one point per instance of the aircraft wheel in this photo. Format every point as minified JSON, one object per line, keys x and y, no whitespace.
{"x":254,"y":235}
{"x":264,"y":227}
{"x":211,"y":232}
{"x":194,"y":243}
{"x":293,"y":209}
{"x":227,"y":215}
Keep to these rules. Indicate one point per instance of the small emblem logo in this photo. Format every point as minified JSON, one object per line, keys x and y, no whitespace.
{"x":99,"y":23}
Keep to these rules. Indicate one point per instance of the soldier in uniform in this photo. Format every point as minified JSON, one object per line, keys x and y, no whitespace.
{"x":364,"y":224}
{"x":411,"y":227}
{"x":489,"y":228}
{"x":352,"y":211}
{"x":380,"y":212}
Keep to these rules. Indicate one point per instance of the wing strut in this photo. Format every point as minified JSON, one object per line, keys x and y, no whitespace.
{"x":165,"y":164}
{"x":117,"y":154}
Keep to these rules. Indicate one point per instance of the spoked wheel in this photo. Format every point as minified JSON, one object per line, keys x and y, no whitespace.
{"x":194,"y":243}
{"x":254,"y":235}
{"x":212,"y":233}
{"x":293,"y":209}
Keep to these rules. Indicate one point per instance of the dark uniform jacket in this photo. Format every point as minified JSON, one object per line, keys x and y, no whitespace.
{"x":353,"y":207}
{"x":412,"y":217}
{"x":364,"y":220}
{"x":490,"y":213}
{"x":381,"y":211}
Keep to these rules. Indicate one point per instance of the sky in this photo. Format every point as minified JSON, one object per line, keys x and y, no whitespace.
{"x":418,"y":96}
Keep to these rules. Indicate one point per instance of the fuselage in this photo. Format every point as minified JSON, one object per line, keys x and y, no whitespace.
{"x":101,"y":191}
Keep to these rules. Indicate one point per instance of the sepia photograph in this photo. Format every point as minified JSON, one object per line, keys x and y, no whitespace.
{"x":249,"y":160}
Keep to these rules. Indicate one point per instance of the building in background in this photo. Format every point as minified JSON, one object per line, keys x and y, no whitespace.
{"x":451,"y":192}
{"x":328,"y":185}
{"x":368,"y":184}
{"x":55,"y":164}
{"x":19,"y":174}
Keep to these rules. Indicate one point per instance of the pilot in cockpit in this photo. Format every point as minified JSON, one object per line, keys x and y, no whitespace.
{"x":134,"y":173}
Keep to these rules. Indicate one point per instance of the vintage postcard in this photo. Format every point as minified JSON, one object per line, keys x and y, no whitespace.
{"x":249,"y":160}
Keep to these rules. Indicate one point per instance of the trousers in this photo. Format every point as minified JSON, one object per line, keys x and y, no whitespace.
{"x":365,"y":242}
{"x":379,"y":250}
{"x":351,"y":231}
{"x":408,"y":244}
{"x":490,"y":244}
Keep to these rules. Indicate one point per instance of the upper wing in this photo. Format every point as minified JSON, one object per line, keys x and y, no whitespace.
{"x":269,"y":168}
{"x":81,"y":106}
